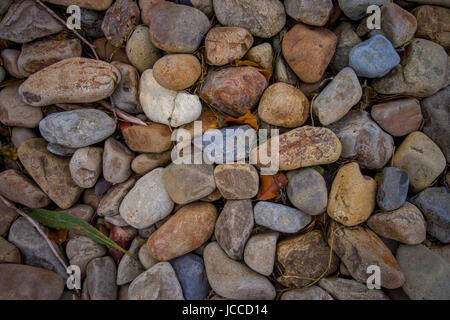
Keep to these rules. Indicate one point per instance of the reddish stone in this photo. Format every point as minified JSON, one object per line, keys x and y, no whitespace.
{"x":153,"y":138}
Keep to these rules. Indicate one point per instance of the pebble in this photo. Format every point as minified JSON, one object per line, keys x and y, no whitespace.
{"x":116,"y":220}
{"x":10,"y":58}
{"x":81,"y":250}
{"x":157,"y":283}
{"x":373,"y":58}
{"x":37,"y":55}
{"x":4,"y":6}
{"x":434,"y":203}
{"x":359,"y":248}
{"x":311,"y":293}
{"x":126,"y":95}
{"x":233,"y":90}
{"x":91,"y":23}
{"x":99,"y":5}
{"x":101,"y":279}
{"x":74,"y":80}
{"x":392,"y":189}
{"x":283,"y":105}
{"x":77,"y":128}
{"x":9,"y":252}
{"x":427,"y":274}
{"x":144,"y":163}
{"x":347,"y":38}
{"x":237,"y":181}
{"x":33,"y":247}
{"x":436,"y":114}
{"x":234,"y":226}
{"x":20,"y":135}
{"x":123,"y":236}
{"x":130,"y":268}
{"x":120,"y":20}
{"x":148,"y":201}
{"x":264,"y":18}
{"x":234,"y":280}
{"x":302,"y":147}
{"x":362,"y":139}
{"x":18,"y":188}
{"x":14,"y":112}
{"x":152,"y":138}
{"x":352,"y":196}
{"x":308,"y":51}
{"x":345,"y":289}
{"x":177,"y":28}
{"x":34,"y":283}
{"x":110,"y":202}
{"x":189,"y":228}
{"x":259,"y":252}
{"x":421,"y":158}
{"x":398,"y":117}
{"x":116,"y":161}
{"x":50,"y":172}
{"x":421,"y":74}
{"x":405,"y":225}
{"x":243,"y":138}
{"x":145,"y":258}
{"x":169,"y":107}
{"x":223,"y":45}
{"x":188,"y":183}
{"x":357,"y":9}
{"x":60,"y":150}
{"x":336,"y":100}
{"x":7,"y":217}
{"x":106,"y":51}
{"x":191,"y":273}
{"x":280,"y":218}
{"x":177,"y":71}
{"x":26,"y":21}
{"x":140,"y":50}
{"x":304,"y":258}
{"x":397,"y":24}
{"x":284,"y":73}
{"x":307,"y":191}
{"x":261,"y":54}
{"x":433,"y":24}
{"x":86,"y":166}
{"x":311,"y":12}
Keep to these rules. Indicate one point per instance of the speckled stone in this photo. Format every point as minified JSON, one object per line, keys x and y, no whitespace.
{"x":392,"y":189}
{"x":280,"y":218}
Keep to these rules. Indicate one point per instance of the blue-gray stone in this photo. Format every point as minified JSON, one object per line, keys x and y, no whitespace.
{"x":280,"y":218}
{"x":77,"y":128}
{"x":214,"y":143}
{"x":60,"y":150}
{"x":373,"y":58}
{"x":191,"y":273}
{"x":392,"y":189}
{"x":434,"y":204}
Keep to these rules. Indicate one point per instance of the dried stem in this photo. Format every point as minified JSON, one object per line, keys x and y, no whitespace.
{"x":54,"y":15}
{"x":122,"y":114}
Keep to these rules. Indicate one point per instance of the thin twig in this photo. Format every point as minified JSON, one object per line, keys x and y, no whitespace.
{"x":54,"y":15}
{"x":122,"y":114}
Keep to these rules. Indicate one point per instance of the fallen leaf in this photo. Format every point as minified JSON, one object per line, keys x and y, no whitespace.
{"x":248,"y":118}
{"x":271,"y":186}
{"x":57,"y":235}
{"x":239,"y":63}
{"x":124,"y":125}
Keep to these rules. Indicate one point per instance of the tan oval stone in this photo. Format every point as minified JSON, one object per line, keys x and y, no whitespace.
{"x":15,"y":112}
{"x":50,"y":172}
{"x":146,"y":162}
{"x":152,"y":138}
{"x":74,"y":80}
{"x":140,"y":50}
{"x":116,"y":161}
{"x":421,"y":158}
{"x":110,"y":202}
{"x":237,"y":180}
{"x":223,"y":45}
{"x":283,"y":105}
{"x":308,"y":51}
{"x":126,"y":95}
{"x":18,"y":188}
{"x":352,"y":196}
{"x":185,"y":231}
{"x":177,"y":71}
{"x":86,"y":166}
{"x":302,"y":147}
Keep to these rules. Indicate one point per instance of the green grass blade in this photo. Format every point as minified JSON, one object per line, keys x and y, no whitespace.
{"x":59,"y":220}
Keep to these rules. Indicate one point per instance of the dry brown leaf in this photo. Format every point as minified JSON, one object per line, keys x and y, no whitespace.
{"x":271,"y":186}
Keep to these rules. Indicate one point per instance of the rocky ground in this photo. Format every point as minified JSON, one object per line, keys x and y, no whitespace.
{"x":364,"y":125}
